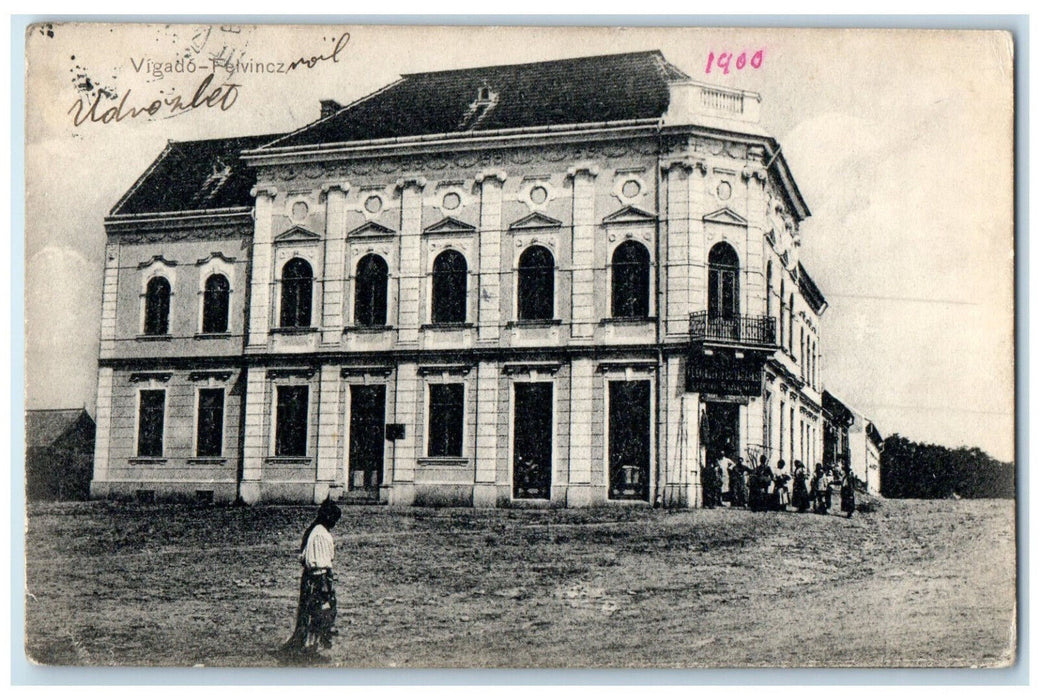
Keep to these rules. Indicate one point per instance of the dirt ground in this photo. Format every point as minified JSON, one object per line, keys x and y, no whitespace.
{"x":914,"y":583}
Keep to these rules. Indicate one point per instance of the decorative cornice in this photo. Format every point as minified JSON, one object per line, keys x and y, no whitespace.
{"x":282,"y":372}
{"x":453,"y":369}
{"x":450,"y":224}
{"x":138,"y":377}
{"x":367,"y":370}
{"x":219,"y":374}
{"x":512,"y":368}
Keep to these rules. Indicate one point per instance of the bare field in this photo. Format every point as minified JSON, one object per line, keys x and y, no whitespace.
{"x":915,"y":583}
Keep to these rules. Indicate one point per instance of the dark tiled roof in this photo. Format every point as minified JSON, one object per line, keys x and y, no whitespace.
{"x":810,"y":291}
{"x":191,"y":175}
{"x":45,"y":427}
{"x":572,"y":91}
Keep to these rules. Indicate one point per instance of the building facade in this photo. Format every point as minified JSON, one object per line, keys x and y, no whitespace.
{"x":852,"y":440}
{"x":568,"y":282}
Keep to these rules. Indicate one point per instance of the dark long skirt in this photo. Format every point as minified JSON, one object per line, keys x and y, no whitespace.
{"x":800,"y":497}
{"x":315,"y":614}
{"x":848,"y":500}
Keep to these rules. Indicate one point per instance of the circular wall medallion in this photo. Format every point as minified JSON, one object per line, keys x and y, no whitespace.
{"x":539,"y":194}
{"x":451,"y":201}
{"x":373,"y":204}
{"x":299,"y":211}
{"x":724,"y":190}
{"x":631,"y":188}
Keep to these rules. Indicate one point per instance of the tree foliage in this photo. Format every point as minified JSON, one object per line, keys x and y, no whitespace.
{"x":916,"y":470}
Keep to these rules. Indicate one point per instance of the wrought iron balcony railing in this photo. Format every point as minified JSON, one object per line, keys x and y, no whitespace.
{"x":739,"y":330}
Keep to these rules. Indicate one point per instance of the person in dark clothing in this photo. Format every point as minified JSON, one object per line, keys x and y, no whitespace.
{"x":738,"y":485}
{"x":316,"y":611}
{"x":848,"y":493}
{"x":821,"y":490}
{"x":708,"y":480}
{"x":800,"y":488}
{"x":760,"y":480}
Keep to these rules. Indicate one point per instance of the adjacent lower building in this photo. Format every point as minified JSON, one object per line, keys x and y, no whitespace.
{"x":569,"y":282}
{"x":852,"y":440}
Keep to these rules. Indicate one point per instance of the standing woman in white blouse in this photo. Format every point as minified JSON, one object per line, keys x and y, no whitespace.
{"x":316,"y":613}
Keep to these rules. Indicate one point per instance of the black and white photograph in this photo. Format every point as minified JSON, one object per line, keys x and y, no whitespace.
{"x":516,"y":347}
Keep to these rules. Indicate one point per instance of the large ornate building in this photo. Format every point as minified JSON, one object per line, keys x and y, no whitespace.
{"x":564,"y":282}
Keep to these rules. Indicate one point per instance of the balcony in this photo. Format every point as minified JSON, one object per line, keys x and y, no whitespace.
{"x":752,"y":332}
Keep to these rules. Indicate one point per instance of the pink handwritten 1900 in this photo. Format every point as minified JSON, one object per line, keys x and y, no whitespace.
{"x":738,"y":61}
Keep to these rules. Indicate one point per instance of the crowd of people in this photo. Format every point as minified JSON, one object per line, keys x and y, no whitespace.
{"x":761,"y":488}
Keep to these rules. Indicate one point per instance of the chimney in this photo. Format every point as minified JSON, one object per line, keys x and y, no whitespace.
{"x":329,"y":107}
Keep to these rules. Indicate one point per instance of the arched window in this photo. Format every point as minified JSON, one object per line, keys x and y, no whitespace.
{"x":723,"y":282}
{"x":449,"y":288}
{"x":535,"y":285}
{"x":157,"y":307}
{"x":370,"y":291}
{"x":215,"y":304}
{"x":630,"y":281}
{"x":297,"y":287}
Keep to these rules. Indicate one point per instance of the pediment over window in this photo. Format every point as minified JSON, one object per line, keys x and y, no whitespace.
{"x":535,"y":220}
{"x":630,"y":215}
{"x":450,"y":224}
{"x":215,"y":255}
{"x":726,"y":216}
{"x":371,"y":229}
{"x":156,"y":259}
{"x":297,"y":233}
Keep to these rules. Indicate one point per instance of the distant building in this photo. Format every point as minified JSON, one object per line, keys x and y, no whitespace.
{"x":850,"y":439}
{"x":564,"y":282}
{"x":59,"y":454}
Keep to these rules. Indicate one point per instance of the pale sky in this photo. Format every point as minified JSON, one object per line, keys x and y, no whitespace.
{"x":900,"y":141}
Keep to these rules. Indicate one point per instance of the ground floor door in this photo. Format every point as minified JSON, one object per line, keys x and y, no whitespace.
{"x":629,"y":440}
{"x":721,"y":429}
{"x":367,"y":417}
{"x":532,"y":439}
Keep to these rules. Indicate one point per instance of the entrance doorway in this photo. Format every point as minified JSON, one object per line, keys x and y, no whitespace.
{"x":532,"y":439}
{"x":367,"y":418}
{"x":721,"y":429}
{"x":629,"y":459}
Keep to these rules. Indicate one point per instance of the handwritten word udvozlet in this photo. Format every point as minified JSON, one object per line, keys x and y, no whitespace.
{"x":724,"y":60}
{"x":222,"y":97}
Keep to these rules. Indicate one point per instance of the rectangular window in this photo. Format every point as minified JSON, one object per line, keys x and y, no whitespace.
{"x":291,"y":422}
{"x":150,"y":419}
{"x":209,"y":437}
{"x":446,"y":420}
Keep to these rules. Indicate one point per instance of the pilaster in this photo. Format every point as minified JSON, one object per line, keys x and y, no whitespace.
{"x":254,"y":429}
{"x":103,"y":422}
{"x":489,"y":305}
{"x":583,"y":258}
{"x":330,"y":431}
{"x":677,"y":247}
{"x":580,"y":458}
{"x":411,"y":274}
{"x":109,"y":295}
{"x":262,"y":260}
{"x":335,"y":255}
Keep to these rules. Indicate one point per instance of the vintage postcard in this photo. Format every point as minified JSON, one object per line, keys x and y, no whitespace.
{"x":513,"y":347}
